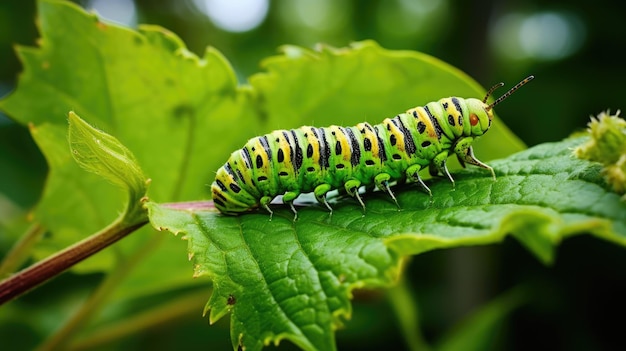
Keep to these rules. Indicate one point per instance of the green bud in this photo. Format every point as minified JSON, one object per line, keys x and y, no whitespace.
{"x":608,"y":147}
{"x":102,"y":154}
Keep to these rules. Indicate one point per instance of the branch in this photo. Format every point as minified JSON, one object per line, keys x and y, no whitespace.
{"x":56,"y":264}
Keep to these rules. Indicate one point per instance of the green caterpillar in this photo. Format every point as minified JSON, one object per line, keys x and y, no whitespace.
{"x":310,"y":159}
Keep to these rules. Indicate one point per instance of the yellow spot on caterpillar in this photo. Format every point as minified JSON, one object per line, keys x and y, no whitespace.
{"x":369,"y":134}
{"x":343,"y":141}
{"x":314,"y":142}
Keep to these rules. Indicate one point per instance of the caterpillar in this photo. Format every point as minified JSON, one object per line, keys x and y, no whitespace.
{"x":318,"y":160}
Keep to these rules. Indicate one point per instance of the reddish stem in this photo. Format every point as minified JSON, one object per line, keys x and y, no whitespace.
{"x":56,"y":264}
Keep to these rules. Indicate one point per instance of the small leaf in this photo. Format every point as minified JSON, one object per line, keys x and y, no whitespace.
{"x":104,"y":155}
{"x":293,"y":279}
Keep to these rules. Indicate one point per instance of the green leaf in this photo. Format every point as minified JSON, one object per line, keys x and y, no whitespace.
{"x":278,"y":280}
{"x":284,"y":279}
{"x":102,"y":154}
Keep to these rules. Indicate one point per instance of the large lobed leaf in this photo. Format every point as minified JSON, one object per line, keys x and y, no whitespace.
{"x":163,"y":102}
{"x":284,"y":279}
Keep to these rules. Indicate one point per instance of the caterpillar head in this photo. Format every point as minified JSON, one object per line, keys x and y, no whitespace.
{"x":478,"y":118}
{"x":481,"y":113}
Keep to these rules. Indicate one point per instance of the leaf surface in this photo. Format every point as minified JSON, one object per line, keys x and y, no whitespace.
{"x":284,"y":279}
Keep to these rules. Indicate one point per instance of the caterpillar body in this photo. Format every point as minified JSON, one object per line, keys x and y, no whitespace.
{"x":318,"y":160}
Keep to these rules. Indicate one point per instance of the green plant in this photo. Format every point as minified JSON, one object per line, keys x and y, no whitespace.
{"x":175,"y":117}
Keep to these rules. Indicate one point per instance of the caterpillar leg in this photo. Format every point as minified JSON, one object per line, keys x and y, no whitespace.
{"x":382,"y":182}
{"x":465,"y":154}
{"x":438,"y":165}
{"x":265,"y":202}
{"x":352,"y":188}
{"x":320,"y":195}
{"x":412,"y":173}
{"x":288,"y":199}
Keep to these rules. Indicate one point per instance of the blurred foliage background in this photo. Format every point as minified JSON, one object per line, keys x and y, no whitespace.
{"x":572,"y":47}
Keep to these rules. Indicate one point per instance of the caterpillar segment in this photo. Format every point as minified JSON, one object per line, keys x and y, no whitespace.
{"x":318,"y":160}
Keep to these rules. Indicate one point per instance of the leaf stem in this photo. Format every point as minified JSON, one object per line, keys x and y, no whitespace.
{"x":21,"y":250}
{"x":54,"y":265}
{"x":406,"y":310}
